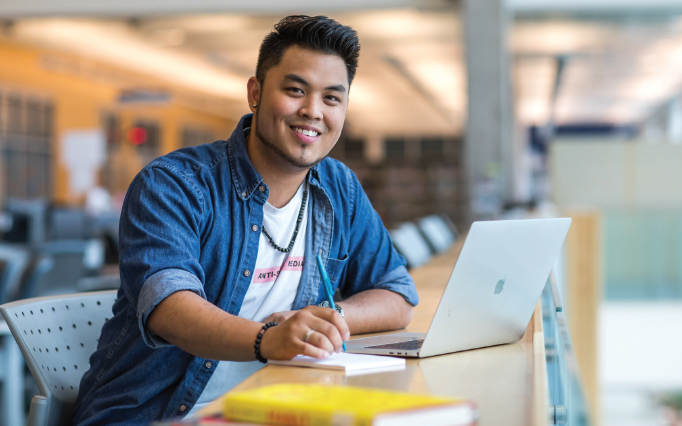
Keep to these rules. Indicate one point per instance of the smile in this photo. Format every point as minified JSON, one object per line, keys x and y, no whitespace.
{"x":305,"y":132}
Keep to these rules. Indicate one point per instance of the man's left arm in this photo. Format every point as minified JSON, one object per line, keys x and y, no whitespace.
{"x":378,"y":293}
{"x":376,"y":310}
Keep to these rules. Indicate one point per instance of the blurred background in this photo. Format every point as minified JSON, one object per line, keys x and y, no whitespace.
{"x":461,"y":110}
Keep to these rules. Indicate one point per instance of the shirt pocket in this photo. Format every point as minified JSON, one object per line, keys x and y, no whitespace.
{"x":335,"y":269}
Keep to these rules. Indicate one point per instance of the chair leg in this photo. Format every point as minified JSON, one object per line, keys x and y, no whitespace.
{"x":37,"y":416}
{"x":13,"y":397}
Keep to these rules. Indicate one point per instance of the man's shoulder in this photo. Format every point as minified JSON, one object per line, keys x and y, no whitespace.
{"x":334,"y":171}
{"x":192,"y":160}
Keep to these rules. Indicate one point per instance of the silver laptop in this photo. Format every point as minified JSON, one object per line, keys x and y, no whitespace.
{"x":491,"y":294}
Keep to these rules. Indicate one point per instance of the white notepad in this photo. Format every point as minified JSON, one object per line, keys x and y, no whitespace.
{"x":350,"y":363}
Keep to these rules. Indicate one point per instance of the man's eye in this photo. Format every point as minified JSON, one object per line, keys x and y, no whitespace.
{"x":295,"y":90}
{"x":333,"y":98}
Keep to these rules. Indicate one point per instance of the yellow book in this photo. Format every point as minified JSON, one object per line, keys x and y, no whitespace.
{"x":319,"y":405}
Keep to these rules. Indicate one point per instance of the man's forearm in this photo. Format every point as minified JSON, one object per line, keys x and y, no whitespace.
{"x":376,"y":310}
{"x":191,"y":323}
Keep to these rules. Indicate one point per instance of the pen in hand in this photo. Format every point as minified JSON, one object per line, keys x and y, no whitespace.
{"x":327,"y":288}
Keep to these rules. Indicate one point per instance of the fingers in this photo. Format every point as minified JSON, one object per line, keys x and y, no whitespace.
{"x":326,"y":335}
{"x":314,"y":352}
{"x":333,"y":317}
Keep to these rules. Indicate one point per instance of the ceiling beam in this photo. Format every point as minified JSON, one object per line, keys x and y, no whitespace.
{"x":16,"y":9}
{"x":594,"y":6}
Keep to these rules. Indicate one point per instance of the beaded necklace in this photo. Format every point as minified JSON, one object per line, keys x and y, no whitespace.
{"x":298,"y":225}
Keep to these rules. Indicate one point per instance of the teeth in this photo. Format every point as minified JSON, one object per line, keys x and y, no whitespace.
{"x":306,"y":132}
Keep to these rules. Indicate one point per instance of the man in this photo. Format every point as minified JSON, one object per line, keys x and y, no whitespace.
{"x":219,"y":239}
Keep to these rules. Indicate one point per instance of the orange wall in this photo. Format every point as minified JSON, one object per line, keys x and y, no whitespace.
{"x":79,"y":104}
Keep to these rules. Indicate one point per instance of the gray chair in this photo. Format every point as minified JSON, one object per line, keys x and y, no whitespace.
{"x":56,"y":269}
{"x":13,"y":262}
{"x":36,"y":212}
{"x":411,"y":244}
{"x":68,"y":224}
{"x":57,"y":335}
{"x":437,"y":233}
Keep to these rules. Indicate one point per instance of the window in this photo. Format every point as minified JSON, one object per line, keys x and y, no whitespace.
{"x":26,"y":139}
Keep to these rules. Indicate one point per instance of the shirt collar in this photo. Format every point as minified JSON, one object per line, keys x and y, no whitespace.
{"x":244,"y":176}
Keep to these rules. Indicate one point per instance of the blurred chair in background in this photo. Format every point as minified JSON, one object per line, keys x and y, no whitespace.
{"x":411,"y":244}
{"x":55,"y":269}
{"x":437,"y":233}
{"x":13,"y":262}
{"x":68,"y":224}
{"x":29,"y":218}
{"x":57,"y":335}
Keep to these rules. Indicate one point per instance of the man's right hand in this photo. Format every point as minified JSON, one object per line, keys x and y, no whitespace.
{"x":288,"y":339}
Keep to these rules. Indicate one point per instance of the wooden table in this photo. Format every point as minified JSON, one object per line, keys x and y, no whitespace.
{"x":507,"y":382}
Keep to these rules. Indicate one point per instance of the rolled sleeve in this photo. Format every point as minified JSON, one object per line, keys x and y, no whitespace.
{"x":159,"y":241}
{"x":154,"y":290}
{"x":399,"y":281}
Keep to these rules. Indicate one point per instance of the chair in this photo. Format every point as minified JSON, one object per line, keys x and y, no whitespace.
{"x":35,"y":212}
{"x":57,"y":335}
{"x":55,"y":269}
{"x":437,"y":233}
{"x":13,"y":262}
{"x":68,"y":224}
{"x":410,"y":243}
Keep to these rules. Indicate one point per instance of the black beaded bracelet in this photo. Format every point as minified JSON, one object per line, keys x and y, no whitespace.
{"x":258,"y":338}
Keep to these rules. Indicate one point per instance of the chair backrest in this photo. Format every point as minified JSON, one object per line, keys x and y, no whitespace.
{"x":437,"y":233}
{"x":410,"y":243}
{"x":68,"y":223}
{"x":14,"y":260}
{"x":35,"y":211}
{"x":68,"y":257}
{"x":57,"y":335}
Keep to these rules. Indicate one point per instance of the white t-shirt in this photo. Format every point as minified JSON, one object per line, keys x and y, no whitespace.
{"x":272,"y":289}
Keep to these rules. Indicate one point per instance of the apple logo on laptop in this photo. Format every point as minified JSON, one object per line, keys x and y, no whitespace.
{"x":500,"y":285}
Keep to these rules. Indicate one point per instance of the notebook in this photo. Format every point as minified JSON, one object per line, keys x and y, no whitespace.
{"x":350,"y":363}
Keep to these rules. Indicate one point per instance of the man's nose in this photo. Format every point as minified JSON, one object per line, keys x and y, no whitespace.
{"x":311,"y":109}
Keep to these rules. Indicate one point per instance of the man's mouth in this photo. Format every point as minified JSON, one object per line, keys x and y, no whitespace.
{"x":304,"y":132}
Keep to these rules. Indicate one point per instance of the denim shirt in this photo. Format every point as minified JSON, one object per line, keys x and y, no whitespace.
{"x":191,"y":220}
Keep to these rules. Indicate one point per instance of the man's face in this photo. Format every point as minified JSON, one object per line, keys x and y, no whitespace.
{"x":302,"y":106}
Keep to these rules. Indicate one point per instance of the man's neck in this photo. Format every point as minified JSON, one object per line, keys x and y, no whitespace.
{"x":282,"y":181}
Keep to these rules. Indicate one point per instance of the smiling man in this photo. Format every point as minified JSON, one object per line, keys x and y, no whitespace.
{"x":218,"y":245}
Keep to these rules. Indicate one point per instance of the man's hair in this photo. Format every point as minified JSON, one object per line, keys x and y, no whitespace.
{"x":317,"y":33}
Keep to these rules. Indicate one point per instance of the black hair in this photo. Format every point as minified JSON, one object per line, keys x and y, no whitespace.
{"x":317,"y":33}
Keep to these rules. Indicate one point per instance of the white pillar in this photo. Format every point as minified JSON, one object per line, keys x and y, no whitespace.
{"x":489,"y":142}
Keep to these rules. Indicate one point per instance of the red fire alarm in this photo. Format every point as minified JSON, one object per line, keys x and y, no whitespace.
{"x":137,"y":135}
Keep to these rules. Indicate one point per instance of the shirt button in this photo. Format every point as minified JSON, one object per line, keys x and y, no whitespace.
{"x":261,"y":188}
{"x":208,"y":365}
{"x":254,"y":228}
{"x":247,"y":273}
{"x":183,"y":408}
{"x":244,"y":194}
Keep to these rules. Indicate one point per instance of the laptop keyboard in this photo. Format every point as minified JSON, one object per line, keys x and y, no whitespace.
{"x":407,"y":345}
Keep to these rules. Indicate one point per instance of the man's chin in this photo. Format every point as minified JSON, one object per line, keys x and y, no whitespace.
{"x":301,"y":163}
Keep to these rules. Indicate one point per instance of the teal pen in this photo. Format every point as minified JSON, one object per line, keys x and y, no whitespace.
{"x":327,"y":287}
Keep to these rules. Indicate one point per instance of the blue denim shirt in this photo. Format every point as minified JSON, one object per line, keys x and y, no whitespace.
{"x":187,"y":224}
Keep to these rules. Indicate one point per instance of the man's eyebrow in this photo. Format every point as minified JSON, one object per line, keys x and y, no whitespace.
{"x":338,"y":87}
{"x":298,"y":79}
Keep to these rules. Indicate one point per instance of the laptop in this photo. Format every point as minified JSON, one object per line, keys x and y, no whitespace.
{"x":491,"y":294}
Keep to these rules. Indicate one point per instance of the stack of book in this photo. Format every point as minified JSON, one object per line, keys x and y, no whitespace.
{"x":319,"y":405}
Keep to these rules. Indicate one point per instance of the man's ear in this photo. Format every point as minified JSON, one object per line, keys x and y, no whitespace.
{"x":253,"y":93}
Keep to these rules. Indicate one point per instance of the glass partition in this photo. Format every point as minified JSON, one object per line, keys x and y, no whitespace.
{"x":566,"y":403}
